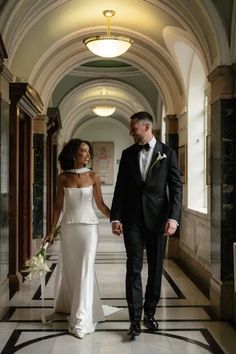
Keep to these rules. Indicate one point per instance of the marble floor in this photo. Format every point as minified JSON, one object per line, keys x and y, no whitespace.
{"x":185,"y":321}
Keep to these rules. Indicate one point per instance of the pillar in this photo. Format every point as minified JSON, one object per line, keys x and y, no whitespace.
{"x":39,"y":148}
{"x":172,"y":140}
{"x":223,"y":188}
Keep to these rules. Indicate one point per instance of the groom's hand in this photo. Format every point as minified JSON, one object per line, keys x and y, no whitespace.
{"x":170,"y":228}
{"x":117,"y":228}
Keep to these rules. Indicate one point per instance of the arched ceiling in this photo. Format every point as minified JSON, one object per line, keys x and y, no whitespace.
{"x":44,"y":42}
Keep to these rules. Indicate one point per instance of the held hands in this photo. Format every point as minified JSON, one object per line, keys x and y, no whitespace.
{"x":170,"y":228}
{"x":117,"y":228}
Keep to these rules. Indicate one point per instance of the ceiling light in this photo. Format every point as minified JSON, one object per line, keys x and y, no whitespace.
{"x":107,"y":45}
{"x":103,"y":110}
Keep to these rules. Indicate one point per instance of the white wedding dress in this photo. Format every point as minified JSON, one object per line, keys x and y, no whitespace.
{"x":76,"y":287}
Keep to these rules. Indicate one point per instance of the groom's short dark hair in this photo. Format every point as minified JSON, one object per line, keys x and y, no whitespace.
{"x":142,"y":115}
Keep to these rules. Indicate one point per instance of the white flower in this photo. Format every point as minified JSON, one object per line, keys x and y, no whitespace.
{"x":158,"y":159}
{"x":36,"y":265}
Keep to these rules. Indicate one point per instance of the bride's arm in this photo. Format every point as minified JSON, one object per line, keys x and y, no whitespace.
{"x":56,"y":209}
{"x":97,"y":192}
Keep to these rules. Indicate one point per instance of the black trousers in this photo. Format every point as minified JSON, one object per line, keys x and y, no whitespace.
{"x":136,"y":238}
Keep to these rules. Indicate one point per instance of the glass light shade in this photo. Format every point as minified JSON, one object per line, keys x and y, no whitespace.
{"x":108,"y":46}
{"x":103,"y":110}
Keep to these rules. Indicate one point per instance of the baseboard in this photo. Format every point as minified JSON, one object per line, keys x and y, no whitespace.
{"x":195,"y":271}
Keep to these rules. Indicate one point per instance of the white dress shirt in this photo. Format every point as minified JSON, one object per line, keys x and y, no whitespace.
{"x":145,"y":158}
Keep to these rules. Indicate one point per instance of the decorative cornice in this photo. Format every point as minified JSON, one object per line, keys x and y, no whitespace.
{"x":107,"y":72}
{"x":26,"y":97}
{"x":6,"y":73}
{"x":222,"y":70}
{"x":170,"y":116}
{"x":222,"y":82}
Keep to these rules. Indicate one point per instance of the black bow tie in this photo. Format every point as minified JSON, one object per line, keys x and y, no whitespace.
{"x":145,"y":146}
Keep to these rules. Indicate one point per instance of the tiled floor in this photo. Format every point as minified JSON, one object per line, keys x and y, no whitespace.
{"x":185,"y":323}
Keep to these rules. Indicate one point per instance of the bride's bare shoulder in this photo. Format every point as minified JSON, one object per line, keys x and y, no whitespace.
{"x":95,"y":176}
{"x":62,"y":177}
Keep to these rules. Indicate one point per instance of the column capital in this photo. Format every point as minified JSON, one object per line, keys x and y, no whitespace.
{"x":40,"y":124}
{"x":219,"y":71}
{"x":171,"y":123}
{"x":170,"y":116}
{"x":222,"y":82}
{"x":54,"y":120}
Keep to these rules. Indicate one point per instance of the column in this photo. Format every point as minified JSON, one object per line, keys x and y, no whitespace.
{"x":172,"y":140}
{"x":172,"y":134}
{"x":223,"y":188}
{"x":53,"y":126}
{"x":5,"y":79}
{"x":39,"y":144}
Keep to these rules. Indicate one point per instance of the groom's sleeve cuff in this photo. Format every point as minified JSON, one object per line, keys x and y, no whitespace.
{"x":177,"y":224}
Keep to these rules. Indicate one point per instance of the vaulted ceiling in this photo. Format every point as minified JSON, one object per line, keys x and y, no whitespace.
{"x":44,"y":42}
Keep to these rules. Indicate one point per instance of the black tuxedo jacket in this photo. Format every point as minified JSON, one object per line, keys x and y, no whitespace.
{"x":157,"y":199}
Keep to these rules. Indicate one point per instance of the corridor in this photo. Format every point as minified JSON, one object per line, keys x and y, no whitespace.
{"x":185,"y":322}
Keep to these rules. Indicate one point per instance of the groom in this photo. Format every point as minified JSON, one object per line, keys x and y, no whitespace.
{"x":146,"y":208}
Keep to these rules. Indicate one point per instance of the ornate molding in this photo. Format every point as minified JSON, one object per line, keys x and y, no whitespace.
{"x":40,"y":124}
{"x":222,"y":82}
{"x":26,"y":98}
{"x":6,"y":73}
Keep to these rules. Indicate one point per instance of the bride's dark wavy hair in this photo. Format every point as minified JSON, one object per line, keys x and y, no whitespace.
{"x":67,"y":155}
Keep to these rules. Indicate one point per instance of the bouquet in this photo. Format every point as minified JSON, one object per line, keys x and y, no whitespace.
{"x":36,"y":265}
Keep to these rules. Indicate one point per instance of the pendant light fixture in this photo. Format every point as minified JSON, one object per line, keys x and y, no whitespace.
{"x":103,"y":111}
{"x":108,"y":45}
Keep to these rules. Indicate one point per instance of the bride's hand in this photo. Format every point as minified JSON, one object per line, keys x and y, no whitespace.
{"x":48,"y":238}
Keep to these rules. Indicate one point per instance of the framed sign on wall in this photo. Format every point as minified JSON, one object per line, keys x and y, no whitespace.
{"x":103,"y":161}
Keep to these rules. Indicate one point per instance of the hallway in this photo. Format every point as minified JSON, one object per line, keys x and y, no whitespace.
{"x":185,"y":323}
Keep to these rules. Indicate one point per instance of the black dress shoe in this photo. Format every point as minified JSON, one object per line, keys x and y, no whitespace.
{"x":150,"y":323}
{"x":134,"y":329}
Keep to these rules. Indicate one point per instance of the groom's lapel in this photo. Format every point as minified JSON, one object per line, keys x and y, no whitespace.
{"x":157,"y":149}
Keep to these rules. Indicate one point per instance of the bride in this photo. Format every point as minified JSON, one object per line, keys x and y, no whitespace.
{"x":77,"y":186}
